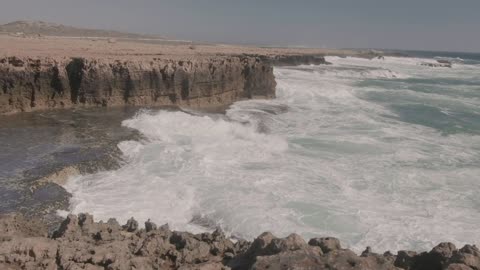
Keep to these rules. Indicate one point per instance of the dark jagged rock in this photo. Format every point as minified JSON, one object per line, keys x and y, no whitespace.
{"x":131,"y":226}
{"x":295,"y":60}
{"x":81,"y":243}
{"x":468,"y":255}
{"x":292,"y":59}
{"x":438,"y":64}
{"x":405,"y":259}
{"x":150,"y":226}
{"x":327,"y":244}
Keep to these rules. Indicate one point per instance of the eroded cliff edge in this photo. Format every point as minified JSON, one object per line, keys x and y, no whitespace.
{"x":28,"y":84}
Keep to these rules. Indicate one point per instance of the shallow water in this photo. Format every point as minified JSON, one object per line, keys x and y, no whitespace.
{"x":35,"y":145}
{"x":381,"y":153}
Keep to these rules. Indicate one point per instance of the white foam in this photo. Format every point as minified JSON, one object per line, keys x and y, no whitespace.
{"x":319,"y":160}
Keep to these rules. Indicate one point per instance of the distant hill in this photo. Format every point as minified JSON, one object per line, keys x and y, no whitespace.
{"x":53,"y":29}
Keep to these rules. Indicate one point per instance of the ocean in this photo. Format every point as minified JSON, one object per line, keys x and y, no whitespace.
{"x":382,"y":153}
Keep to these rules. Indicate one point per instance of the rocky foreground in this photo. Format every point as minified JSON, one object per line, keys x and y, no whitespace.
{"x":81,"y":243}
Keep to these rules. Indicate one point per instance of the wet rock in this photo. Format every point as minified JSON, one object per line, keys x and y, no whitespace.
{"x":113,"y":222}
{"x":190,"y":248}
{"x":150,"y":226}
{"x":444,"y":250}
{"x":69,"y":227}
{"x":367,"y":252}
{"x":228,"y":255}
{"x":338,"y":259}
{"x":295,"y":60}
{"x":405,"y":259}
{"x":85,"y":220}
{"x":428,"y":64}
{"x":220,"y":245}
{"x":291,"y":243}
{"x":164,"y":227}
{"x":16,"y":62}
{"x":241,"y":246}
{"x":260,"y":253}
{"x":456,"y":266}
{"x":468,"y":255}
{"x":378,"y":261}
{"x":437,"y":258}
{"x":131,"y":226}
{"x":156,"y":244}
{"x":327,"y":244}
{"x":261,"y":243}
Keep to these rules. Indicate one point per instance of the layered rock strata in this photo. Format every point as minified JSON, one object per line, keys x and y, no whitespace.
{"x":81,"y":243}
{"x":28,"y":84}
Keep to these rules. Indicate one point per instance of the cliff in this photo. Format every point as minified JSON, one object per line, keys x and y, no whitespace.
{"x":81,"y":243}
{"x":59,"y":72}
{"x":29,"y":84}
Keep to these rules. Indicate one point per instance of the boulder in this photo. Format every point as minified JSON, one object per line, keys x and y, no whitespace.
{"x":131,"y":226}
{"x":150,"y":226}
{"x":468,"y":255}
{"x":327,"y":244}
{"x":190,"y":249}
{"x":405,"y":259}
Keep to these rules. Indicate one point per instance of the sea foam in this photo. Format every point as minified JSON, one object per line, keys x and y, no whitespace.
{"x":329,"y":156}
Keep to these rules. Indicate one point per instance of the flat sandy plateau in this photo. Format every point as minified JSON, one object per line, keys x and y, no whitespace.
{"x":62,"y":47}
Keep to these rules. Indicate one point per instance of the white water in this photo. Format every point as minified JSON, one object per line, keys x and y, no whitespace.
{"x":319,"y":160}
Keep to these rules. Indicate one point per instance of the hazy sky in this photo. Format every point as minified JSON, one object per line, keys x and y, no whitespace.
{"x":406,"y":24}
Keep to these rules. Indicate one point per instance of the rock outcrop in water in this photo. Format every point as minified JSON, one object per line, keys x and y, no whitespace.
{"x":292,"y":59}
{"x":81,"y":243}
{"x":28,"y":84}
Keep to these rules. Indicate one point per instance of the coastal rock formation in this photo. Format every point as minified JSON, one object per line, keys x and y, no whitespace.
{"x":295,"y":60}
{"x":28,"y":84}
{"x":292,"y":59}
{"x":440,"y":63}
{"x":81,"y":243}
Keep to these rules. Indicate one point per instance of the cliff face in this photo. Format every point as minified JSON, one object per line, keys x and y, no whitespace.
{"x":30,"y":84}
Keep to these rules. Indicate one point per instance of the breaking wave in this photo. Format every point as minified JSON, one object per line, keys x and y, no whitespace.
{"x":330,"y":156}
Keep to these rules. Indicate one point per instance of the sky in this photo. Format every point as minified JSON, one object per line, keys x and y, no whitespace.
{"x":444,"y":25}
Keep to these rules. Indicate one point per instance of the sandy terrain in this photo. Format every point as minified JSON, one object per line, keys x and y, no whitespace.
{"x":61,"y":47}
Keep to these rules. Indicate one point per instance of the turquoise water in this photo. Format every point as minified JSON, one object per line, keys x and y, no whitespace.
{"x":381,"y":153}
{"x":440,"y":103}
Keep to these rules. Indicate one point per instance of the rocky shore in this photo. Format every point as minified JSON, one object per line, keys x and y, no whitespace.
{"x":81,"y":243}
